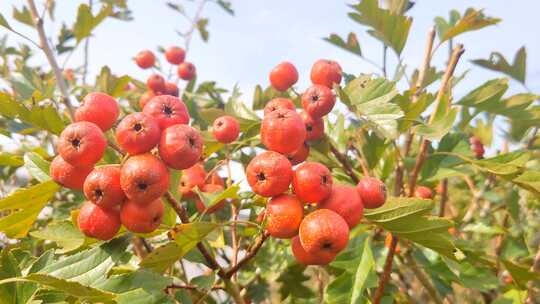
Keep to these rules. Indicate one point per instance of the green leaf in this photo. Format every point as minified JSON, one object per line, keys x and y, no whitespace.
{"x":37,"y":166}
{"x":350,"y":45}
{"x":140,"y":279}
{"x":529,"y":180}
{"x":10,"y":160}
{"x":487,"y":95}
{"x":399,"y":207}
{"x":108,"y":83}
{"x":67,"y":236}
{"x":412,"y":110}
{"x":508,"y":164}
{"x":226,"y":5}
{"x":292,"y":282}
{"x":350,"y":285}
{"x":472,"y":20}
{"x":497,"y":62}
{"x":4,"y":23}
{"x":86,"y":22}
{"x":201,"y":26}
{"x":24,"y":205}
{"x":23,"y":16}
{"x":442,"y":122}
{"x":211,"y":199}
{"x":187,"y":237}
{"x":372,"y":100}
{"x":43,"y":116}
{"x":70,"y":287}
{"x":391,"y":29}
{"x":520,"y":274}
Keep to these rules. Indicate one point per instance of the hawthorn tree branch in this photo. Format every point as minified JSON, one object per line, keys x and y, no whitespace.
{"x":385,"y":276}
{"x":344,"y":162}
{"x":182,"y":213}
{"x":249,"y":255}
{"x":421,"y":276}
{"x":445,"y":82}
{"x":38,"y":22}
{"x":530,"y":285}
{"x":444,"y":197}
{"x":192,"y":287}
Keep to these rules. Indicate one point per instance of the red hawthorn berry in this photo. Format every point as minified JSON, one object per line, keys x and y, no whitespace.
{"x":314,"y":126}
{"x":323,"y":232}
{"x":215,"y":179}
{"x":210,"y":188}
{"x":283,"y":131}
{"x":144,"y":178}
{"x":98,"y":108}
{"x":192,"y":177}
{"x":137,"y":133}
{"x":82,"y":144}
{"x":145,"y":59}
{"x":345,"y":201}
{"x":299,"y":155}
{"x":171,"y":89}
{"x":97,"y":222}
{"x":102,"y":187}
{"x":175,"y":55}
{"x":372,"y":191}
{"x":326,"y":72}
{"x":167,"y":110}
{"x":69,"y":75}
{"x":318,"y":101}
{"x":269,"y":174}
{"x":305,"y":258}
{"x":283,"y":216}
{"x":145,"y":97}
{"x":473,"y":140}
{"x":423,"y":192}
{"x":226,"y":129}
{"x":312,"y":182}
{"x":142,"y":218}
{"x":156,"y":83}
{"x":479,"y":151}
{"x":181,"y":146}
{"x":279,"y":103}
{"x":283,"y":76}
{"x":68,"y":175}
{"x":186,"y":71}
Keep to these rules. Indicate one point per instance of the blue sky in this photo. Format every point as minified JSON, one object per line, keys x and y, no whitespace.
{"x":243,"y":48}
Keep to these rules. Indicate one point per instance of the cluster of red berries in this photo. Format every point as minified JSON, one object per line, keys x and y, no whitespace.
{"x":128,"y":194}
{"x":320,"y":235}
{"x":477,"y":147}
{"x":156,"y":84}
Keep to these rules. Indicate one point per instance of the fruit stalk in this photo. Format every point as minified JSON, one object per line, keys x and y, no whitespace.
{"x":344,"y":162}
{"x":38,"y":22}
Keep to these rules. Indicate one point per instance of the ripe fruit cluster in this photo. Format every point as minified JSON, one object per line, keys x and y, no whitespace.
{"x":477,"y":147}
{"x":156,"y":139}
{"x":157,"y":84}
{"x":316,"y":238}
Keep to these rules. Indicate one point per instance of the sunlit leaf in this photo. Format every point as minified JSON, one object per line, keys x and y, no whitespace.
{"x":351,"y":44}
{"x":497,"y":62}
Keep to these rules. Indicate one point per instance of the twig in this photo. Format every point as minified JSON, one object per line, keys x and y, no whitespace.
{"x":386,"y":271}
{"x":181,"y":211}
{"x":531,"y":141}
{"x":421,"y":276}
{"x":249,"y":255}
{"x":444,"y":197}
{"x":189,"y":33}
{"x":86,"y":47}
{"x":456,"y":54}
{"x":344,"y":162}
{"x":115,"y":147}
{"x":38,"y":22}
{"x":192,"y":287}
{"x":530,"y":286}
